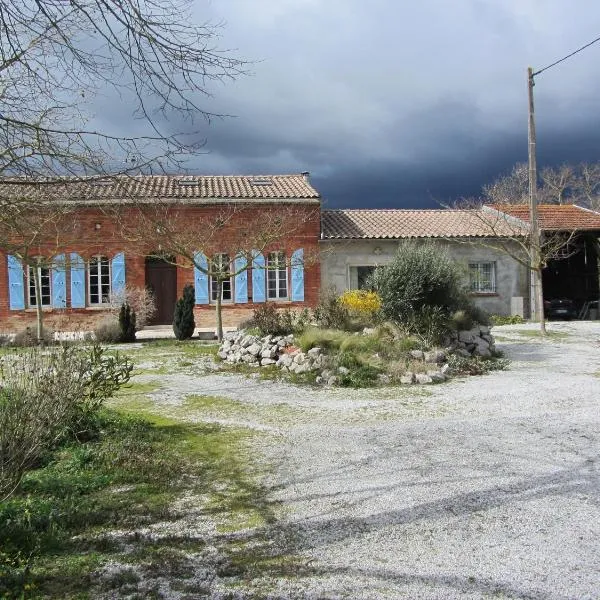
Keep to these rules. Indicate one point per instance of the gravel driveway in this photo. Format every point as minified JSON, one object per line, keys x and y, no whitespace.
{"x":482,"y":487}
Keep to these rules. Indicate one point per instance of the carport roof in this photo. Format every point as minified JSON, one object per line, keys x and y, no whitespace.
{"x":564,"y":217}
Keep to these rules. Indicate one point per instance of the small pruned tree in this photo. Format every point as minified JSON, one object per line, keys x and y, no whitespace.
{"x":218,"y":242}
{"x":183,"y":317}
{"x":36,"y":233}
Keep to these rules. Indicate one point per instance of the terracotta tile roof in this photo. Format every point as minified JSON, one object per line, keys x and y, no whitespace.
{"x":398,"y":223}
{"x":176,"y":187}
{"x":553,"y":217}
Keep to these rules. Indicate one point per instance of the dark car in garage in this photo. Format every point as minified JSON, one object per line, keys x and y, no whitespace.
{"x":560,"y":308}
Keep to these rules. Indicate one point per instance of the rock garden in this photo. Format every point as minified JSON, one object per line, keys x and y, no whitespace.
{"x":415,"y":325}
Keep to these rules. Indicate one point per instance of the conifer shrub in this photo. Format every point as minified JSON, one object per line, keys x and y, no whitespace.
{"x":183,"y":317}
{"x":127,"y":322}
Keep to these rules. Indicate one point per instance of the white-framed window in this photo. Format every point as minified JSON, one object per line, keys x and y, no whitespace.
{"x":99,"y":288}
{"x":221,"y":263}
{"x":482,"y":277}
{"x":277,"y":276}
{"x":45,"y":285}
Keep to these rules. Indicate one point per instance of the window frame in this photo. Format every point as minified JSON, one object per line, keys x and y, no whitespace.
{"x":475,"y":283}
{"x":212,"y":297}
{"x":281,"y":274}
{"x":97,"y":259}
{"x":31,"y":301}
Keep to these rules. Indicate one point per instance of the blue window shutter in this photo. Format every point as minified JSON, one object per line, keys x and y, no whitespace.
{"x":15,"y":284}
{"x":59,"y":282}
{"x":201,"y":278}
{"x":298,"y":275}
{"x":118,"y":274}
{"x":258,"y":277}
{"x":241,"y":279}
{"x":77,"y":281}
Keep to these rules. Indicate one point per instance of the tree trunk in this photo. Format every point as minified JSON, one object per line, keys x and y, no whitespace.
{"x":39,"y":313}
{"x":218,"y":308}
{"x":539,"y":299}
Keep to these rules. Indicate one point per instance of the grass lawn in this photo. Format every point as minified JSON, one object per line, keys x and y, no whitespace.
{"x":141,"y":502}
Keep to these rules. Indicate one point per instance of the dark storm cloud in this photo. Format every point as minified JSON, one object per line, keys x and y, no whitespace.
{"x":398,"y":104}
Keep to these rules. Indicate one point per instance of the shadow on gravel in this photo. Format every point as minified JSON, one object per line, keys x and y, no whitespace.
{"x":582,"y":479}
{"x":435,"y":583}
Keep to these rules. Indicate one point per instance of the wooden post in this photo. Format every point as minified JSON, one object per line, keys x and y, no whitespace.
{"x":537,"y":292}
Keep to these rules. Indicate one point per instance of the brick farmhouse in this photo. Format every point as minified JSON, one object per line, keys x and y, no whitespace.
{"x":283,"y":248}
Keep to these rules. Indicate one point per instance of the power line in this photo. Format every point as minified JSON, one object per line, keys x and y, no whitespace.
{"x":565,"y":57}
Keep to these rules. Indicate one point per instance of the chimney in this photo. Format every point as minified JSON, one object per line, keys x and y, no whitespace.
{"x":306,"y":175}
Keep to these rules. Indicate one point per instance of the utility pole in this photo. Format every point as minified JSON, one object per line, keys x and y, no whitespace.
{"x":537,"y":292}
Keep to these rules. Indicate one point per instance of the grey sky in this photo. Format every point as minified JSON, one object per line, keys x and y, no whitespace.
{"x":401,"y":103}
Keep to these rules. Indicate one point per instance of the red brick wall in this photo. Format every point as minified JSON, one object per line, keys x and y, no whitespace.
{"x":97,"y":233}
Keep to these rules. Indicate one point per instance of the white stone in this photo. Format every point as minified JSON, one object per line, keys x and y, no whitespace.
{"x":445,"y":368}
{"x":423,"y":378}
{"x":434,"y":356}
{"x":268,"y":354}
{"x":253,"y":349}
{"x":300,"y":358}
{"x":332,"y":380}
{"x":417,"y":354}
{"x":436,"y":376}
{"x":343,"y":371}
{"x":267,"y":361}
{"x":407,"y":378}
{"x":314,"y":351}
{"x":319,"y":379}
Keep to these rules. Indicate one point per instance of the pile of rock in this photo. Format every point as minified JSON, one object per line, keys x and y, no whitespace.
{"x":477,"y":341}
{"x":437,"y":372}
{"x":279,"y":350}
{"x":238,"y":347}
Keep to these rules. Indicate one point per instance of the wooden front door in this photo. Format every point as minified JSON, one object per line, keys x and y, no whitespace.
{"x":161,"y":278}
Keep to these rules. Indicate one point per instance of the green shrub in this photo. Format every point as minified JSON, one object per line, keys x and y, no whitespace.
{"x":49,"y":395}
{"x":330,"y":313}
{"x":419,"y":275}
{"x":360,"y":372}
{"x":507,"y":320}
{"x":420,"y":289}
{"x":183,"y":317}
{"x":28,"y":337}
{"x":108,"y":332}
{"x":127,"y":323}
{"x":269,"y":321}
{"x":293,"y":321}
{"x":461,"y":320}
{"x":429,"y":324}
{"x":476,"y":365}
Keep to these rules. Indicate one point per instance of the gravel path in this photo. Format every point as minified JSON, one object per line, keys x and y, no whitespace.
{"x":481,"y":487}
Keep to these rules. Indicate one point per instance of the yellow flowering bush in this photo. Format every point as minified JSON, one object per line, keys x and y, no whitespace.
{"x":362,"y":302}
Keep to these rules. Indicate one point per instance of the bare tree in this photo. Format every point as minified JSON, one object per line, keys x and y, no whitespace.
{"x":567,"y":184}
{"x":56,"y":57}
{"x":512,"y":188}
{"x":586,"y":187}
{"x":37,"y":233}
{"x":556,"y":184}
{"x":219,"y":241}
{"x":512,"y":236}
